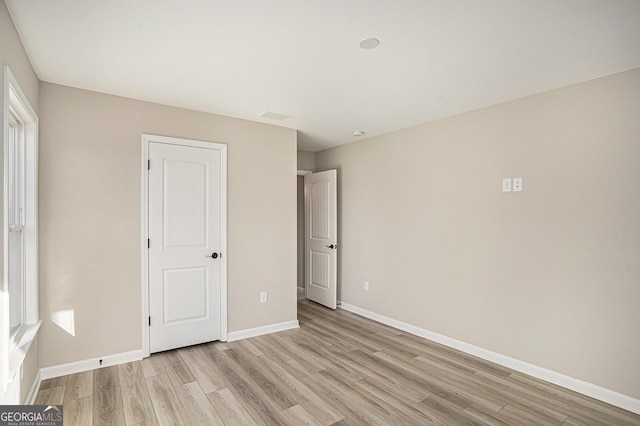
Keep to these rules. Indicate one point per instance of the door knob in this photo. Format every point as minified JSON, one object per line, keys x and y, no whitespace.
{"x":332,"y":246}
{"x":213,"y":255}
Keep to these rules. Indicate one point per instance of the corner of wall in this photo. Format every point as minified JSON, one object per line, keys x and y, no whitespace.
{"x":307,"y":161}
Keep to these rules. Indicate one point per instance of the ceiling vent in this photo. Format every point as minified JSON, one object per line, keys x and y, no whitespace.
{"x":274,"y":115}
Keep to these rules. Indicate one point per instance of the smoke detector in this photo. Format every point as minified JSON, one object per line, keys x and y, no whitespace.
{"x":369,"y":43}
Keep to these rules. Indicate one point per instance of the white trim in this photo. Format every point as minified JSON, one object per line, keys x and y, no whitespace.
{"x":33,"y":392}
{"x":144,"y":219}
{"x":585,"y":388}
{"x":146,"y":139}
{"x":12,"y":354}
{"x":304,"y":172}
{"x":265,"y":329}
{"x":19,"y":352}
{"x":89,"y":364}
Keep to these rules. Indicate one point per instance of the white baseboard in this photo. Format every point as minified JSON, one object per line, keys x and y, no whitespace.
{"x":89,"y":364}
{"x":259,"y":331}
{"x":585,"y":388}
{"x":121,"y":358}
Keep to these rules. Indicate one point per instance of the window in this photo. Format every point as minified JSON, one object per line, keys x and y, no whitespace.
{"x":19,"y":289}
{"x":15,"y":207}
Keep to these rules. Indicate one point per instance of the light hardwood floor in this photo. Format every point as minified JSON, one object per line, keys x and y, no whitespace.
{"x":338,"y":368}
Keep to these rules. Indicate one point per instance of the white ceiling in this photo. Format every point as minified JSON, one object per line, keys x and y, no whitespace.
{"x":301,"y":57}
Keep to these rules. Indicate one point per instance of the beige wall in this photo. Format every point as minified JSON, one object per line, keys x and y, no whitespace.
{"x":13,"y":54}
{"x":90,"y":174}
{"x":549,"y":276}
{"x":307,"y":161}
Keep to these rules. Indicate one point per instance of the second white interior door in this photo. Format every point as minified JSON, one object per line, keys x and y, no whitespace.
{"x":321,"y":237}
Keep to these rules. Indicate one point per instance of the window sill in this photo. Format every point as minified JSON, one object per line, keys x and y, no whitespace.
{"x":19,"y":351}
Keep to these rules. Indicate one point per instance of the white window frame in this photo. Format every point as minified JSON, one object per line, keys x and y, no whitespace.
{"x":15,"y":162}
{"x":15,"y":346}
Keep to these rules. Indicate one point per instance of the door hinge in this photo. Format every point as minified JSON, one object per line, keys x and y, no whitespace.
{"x":149,"y":321}
{"x":148,"y":243}
{"x":148,"y":164}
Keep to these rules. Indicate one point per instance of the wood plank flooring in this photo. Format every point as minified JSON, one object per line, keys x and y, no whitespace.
{"x":338,"y":368}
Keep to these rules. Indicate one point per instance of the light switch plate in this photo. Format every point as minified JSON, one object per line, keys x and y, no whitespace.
{"x":506,"y":184}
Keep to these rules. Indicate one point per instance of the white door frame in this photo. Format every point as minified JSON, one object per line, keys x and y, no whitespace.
{"x":146,"y":139}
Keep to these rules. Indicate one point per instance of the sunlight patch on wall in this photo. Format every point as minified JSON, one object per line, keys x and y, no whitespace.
{"x":65,"y":320}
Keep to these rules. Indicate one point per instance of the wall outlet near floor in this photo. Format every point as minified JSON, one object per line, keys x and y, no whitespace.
{"x":366,"y":285}
{"x":517,"y":184}
{"x":263,"y":297}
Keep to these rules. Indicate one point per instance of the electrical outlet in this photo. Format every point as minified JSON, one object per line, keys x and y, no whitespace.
{"x":517,"y":184}
{"x":366,"y":285}
{"x":263,"y":297}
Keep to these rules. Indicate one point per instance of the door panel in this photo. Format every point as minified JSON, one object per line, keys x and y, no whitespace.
{"x":319,"y":218}
{"x":320,"y":264}
{"x":184,"y":230}
{"x":185,"y":295}
{"x":321,"y":239}
{"x":185,"y":208}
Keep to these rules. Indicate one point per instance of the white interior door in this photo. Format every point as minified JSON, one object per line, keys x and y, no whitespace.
{"x":184,"y":255}
{"x":321,"y":237}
